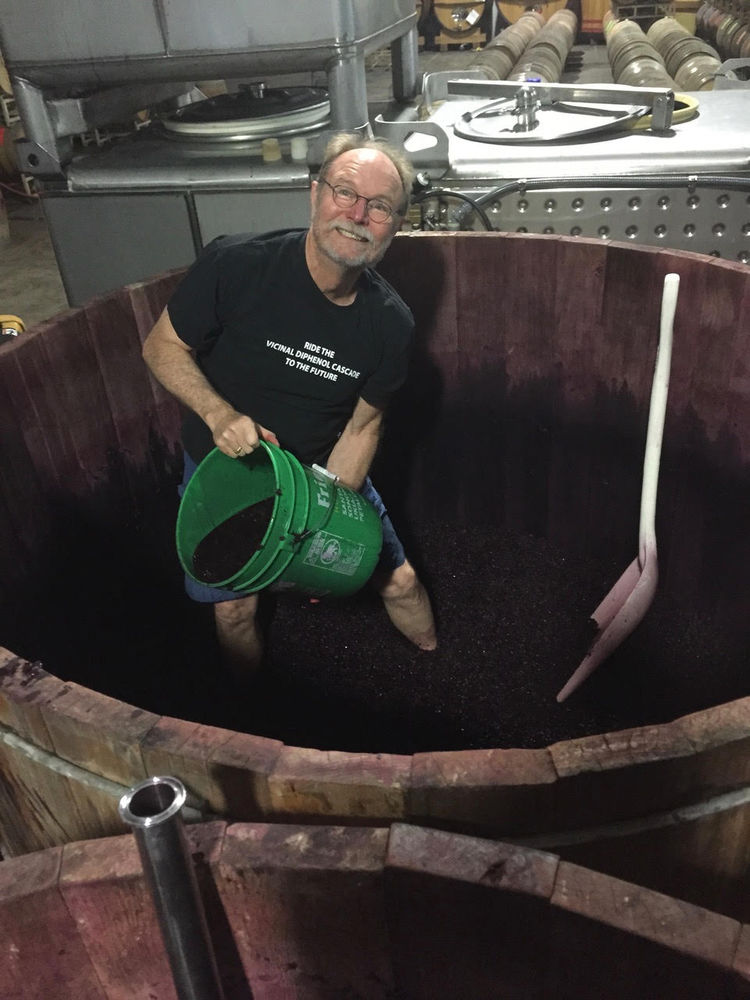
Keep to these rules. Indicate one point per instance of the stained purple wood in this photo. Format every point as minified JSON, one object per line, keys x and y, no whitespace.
{"x":317,"y":912}
{"x":526,"y":407}
{"x":542,"y":403}
{"x":36,"y":803}
{"x":636,"y":943}
{"x":116,"y":348}
{"x":43,"y":955}
{"x":508,"y":788}
{"x":91,"y":729}
{"x":241,"y":768}
{"x":367,"y":788}
{"x":102,"y":885}
{"x":29,"y":468}
{"x":78,"y":411}
{"x":147,"y":299}
{"x":533,"y":927}
{"x":25,"y":688}
{"x":230,"y":771}
{"x":440,"y":886}
{"x":306,"y":908}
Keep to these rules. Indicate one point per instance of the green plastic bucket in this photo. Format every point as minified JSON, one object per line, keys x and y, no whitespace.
{"x":246,"y":523}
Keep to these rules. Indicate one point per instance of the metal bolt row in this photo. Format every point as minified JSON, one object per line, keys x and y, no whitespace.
{"x":634,"y":204}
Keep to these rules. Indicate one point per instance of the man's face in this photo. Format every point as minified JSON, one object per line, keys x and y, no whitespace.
{"x":348,"y":236}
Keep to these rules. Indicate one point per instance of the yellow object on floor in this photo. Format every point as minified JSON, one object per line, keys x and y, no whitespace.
{"x":11,"y":326}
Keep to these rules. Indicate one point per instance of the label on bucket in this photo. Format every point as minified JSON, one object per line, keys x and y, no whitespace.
{"x":323,"y":493}
{"x":351,"y":505}
{"x":334,"y":553}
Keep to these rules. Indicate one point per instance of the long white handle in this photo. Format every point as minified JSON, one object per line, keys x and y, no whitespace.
{"x":657,"y":411}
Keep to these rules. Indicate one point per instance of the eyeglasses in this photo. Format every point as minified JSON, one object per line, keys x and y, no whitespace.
{"x":377,"y":209}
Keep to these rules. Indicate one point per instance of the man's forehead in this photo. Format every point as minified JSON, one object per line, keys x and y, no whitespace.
{"x":375,"y":164}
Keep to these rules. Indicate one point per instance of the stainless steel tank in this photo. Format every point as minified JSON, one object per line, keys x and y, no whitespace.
{"x":97,"y":42}
{"x":149,"y":198}
{"x":75,"y":66}
{"x":596,"y":160}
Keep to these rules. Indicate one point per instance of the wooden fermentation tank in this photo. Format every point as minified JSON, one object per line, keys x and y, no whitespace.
{"x":91,"y":452}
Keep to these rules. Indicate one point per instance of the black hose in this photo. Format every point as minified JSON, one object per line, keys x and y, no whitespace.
{"x":447,"y":193}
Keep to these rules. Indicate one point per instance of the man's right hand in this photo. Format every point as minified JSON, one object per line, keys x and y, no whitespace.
{"x":236,"y":434}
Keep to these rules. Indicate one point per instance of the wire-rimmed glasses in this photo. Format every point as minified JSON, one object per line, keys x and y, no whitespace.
{"x":378,"y":210}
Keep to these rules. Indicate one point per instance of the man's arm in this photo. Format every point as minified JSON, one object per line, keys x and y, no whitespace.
{"x":171,"y":361}
{"x":355,"y":449}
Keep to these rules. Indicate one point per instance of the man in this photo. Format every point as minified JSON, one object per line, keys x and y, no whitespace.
{"x":292,"y":338}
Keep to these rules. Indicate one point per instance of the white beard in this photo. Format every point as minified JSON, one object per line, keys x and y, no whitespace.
{"x":362,"y":255}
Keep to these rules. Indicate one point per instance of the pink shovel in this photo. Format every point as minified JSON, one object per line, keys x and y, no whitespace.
{"x":628,"y":601}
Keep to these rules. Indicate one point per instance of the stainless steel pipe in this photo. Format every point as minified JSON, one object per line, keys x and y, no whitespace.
{"x":153,"y":809}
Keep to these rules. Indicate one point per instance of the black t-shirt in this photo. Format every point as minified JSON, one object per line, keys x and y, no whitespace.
{"x":277,"y":349}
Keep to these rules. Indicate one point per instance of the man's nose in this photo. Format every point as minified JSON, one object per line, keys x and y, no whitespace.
{"x":358,"y":212}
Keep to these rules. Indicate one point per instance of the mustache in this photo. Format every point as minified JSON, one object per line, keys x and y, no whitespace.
{"x":351,"y":227}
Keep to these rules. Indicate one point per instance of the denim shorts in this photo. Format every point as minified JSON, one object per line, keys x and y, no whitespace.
{"x":392,"y":554}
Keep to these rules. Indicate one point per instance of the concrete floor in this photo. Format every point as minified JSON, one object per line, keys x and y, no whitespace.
{"x":30,"y":283}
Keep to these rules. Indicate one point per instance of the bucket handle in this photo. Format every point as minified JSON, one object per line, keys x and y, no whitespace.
{"x":298,"y":537}
{"x":326,"y":472}
{"x":293,"y":541}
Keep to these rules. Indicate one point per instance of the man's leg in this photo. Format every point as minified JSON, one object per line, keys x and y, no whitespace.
{"x":404,"y":597}
{"x":239,"y":636}
{"x":408,"y":606}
